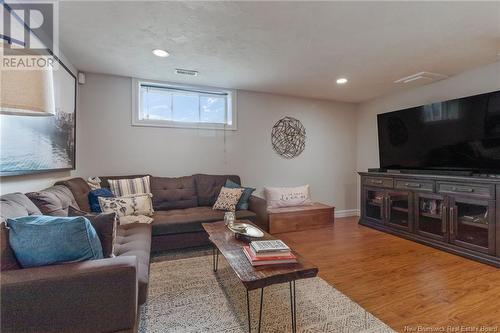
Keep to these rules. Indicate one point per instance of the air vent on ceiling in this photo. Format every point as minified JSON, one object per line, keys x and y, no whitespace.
{"x":425,"y":77}
{"x":186,"y":72}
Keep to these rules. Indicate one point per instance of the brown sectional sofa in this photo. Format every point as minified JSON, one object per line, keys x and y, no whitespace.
{"x":104,"y":295}
{"x":91,"y":296}
{"x":181,"y":205}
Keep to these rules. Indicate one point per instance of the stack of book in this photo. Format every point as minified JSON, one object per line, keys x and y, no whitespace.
{"x":269,"y":252}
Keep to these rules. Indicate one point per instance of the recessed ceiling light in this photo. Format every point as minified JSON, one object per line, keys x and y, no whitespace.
{"x":160,"y":53}
{"x":342,"y":80}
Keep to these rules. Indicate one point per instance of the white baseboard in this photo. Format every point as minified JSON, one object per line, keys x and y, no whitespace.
{"x":347,"y":213}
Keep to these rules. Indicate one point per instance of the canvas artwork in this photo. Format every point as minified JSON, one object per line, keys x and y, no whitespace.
{"x":35,"y":140}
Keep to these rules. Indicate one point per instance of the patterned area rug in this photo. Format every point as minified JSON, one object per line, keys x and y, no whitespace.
{"x":185,"y":295}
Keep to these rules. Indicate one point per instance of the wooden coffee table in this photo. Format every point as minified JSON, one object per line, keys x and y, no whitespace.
{"x":260,"y":277}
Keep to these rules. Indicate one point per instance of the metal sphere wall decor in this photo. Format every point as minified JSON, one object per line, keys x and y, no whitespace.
{"x":288,"y":137}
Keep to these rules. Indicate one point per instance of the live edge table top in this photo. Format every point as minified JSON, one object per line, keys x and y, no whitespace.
{"x":255,"y":277}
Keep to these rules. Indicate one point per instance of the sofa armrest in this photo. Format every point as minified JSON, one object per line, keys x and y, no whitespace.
{"x":90,"y":296}
{"x":259,"y":207}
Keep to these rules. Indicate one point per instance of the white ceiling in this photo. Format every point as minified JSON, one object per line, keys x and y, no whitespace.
{"x":292,"y":48}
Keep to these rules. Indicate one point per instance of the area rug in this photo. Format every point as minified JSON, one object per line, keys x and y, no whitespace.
{"x":185,"y":295}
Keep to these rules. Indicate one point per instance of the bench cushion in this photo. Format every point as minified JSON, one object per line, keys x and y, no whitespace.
{"x":190,"y":219}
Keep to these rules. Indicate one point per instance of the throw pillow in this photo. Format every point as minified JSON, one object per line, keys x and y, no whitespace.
{"x":104,"y":225}
{"x":228,"y":198}
{"x":121,"y":187}
{"x":135,"y":219}
{"x":94,"y":183}
{"x":287,"y":196}
{"x":136,"y":204}
{"x":8,"y":260}
{"x":247,"y":193}
{"x":94,"y":198}
{"x":45,"y":240}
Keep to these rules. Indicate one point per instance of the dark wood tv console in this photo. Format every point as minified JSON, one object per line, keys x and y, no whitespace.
{"x":460,"y":215}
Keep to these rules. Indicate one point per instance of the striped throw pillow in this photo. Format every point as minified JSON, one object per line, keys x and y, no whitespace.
{"x":121,"y":187}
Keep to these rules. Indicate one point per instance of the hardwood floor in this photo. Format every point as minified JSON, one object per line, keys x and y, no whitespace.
{"x":403,"y":283}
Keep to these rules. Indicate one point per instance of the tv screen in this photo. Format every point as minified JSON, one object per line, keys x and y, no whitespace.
{"x":460,"y":134}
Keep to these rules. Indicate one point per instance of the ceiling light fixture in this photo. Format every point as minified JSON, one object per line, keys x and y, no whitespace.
{"x":342,"y":80}
{"x":160,"y":53}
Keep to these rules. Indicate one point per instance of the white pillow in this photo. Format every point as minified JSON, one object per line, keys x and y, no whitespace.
{"x":135,"y":204}
{"x":287,"y":196}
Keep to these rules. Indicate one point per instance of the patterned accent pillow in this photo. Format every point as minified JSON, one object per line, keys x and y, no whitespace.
{"x":122,"y":187}
{"x":228,"y":198}
{"x":136,"y":204}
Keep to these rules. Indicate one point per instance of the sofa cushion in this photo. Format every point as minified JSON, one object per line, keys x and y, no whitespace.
{"x":54,"y":200}
{"x":135,"y":240}
{"x":16,"y":205}
{"x":208,"y":187}
{"x":80,"y":189}
{"x":173,"y":193}
{"x":190,"y":219}
{"x":8,"y":260}
{"x":45,"y":240}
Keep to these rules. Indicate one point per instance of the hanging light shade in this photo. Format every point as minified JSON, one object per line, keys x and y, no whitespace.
{"x":27,"y":92}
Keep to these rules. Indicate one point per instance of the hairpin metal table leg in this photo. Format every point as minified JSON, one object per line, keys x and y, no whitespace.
{"x":260,"y":310}
{"x":293,"y":306}
{"x":248,"y":314}
{"x":261,"y":306}
{"x":215,"y":258}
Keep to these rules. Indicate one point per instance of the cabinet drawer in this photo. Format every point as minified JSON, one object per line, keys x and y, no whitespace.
{"x":481,"y":190}
{"x":417,"y":185}
{"x":379,"y":182}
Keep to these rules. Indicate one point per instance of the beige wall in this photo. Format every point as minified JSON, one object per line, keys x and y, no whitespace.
{"x":477,"y":81}
{"x":112,"y":146}
{"x":341,"y":138}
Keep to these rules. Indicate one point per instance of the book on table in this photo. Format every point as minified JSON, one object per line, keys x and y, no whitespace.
{"x":274,"y":245}
{"x":280,"y":259}
{"x":268,"y":254}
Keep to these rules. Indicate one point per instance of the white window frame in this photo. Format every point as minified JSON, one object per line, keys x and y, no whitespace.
{"x":136,"y":105}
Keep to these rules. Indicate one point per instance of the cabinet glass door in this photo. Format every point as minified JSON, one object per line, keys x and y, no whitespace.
{"x":399,"y":209}
{"x":374,"y":204}
{"x":473,"y":224}
{"x":431,"y":216}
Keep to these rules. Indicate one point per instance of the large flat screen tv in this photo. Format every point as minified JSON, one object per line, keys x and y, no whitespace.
{"x":456,"y":135}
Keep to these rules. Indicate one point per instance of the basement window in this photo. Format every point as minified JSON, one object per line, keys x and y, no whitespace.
{"x":174,"y":105}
